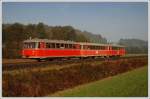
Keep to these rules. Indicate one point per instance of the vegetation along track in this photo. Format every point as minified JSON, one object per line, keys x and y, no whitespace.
{"x":41,"y":83}
{"x":15,"y":66}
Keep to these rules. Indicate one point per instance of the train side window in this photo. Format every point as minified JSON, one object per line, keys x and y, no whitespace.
{"x":47,"y":45}
{"x":109,"y":47}
{"x":57,"y":45}
{"x":38,"y":44}
{"x":83,"y":46}
{"x":96,"y":47}
{"x":70,"y":46}
{"x":66,"y":46}
{"x":74,"y":47}
{"x":28,"y":45}
{"x":62,"y":46}
{"x":115,"y":48}
{"x":102,"y":47}
{"x":91,"y":47}
{"x":52,"y":45}
{"x":31,"y":45}
{"x":86,"y":46}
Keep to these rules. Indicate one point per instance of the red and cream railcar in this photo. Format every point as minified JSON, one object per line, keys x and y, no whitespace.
{"x":44,"y":48}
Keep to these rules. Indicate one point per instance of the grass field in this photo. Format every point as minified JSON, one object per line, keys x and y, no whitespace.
{"x":133,"y":83}
{"x":130,"y":55}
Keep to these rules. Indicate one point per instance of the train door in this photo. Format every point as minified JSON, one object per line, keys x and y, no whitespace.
{"x":81,"y":50}
{"x":42,"y":45}
{"x":109,"y":51}
{"x":42,"y":49}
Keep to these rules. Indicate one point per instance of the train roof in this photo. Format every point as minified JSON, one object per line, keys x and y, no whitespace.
{"x":71,"y":42}
{"x":97,"y":44}
{"x":47,"y":40}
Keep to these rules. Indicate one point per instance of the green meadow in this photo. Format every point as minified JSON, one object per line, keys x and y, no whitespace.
{"x":130,"y":84}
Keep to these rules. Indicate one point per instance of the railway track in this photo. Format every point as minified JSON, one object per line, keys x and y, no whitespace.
{"x":15,"y":66}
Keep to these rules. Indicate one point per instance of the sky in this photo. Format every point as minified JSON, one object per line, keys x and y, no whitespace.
{"x":112,"y":20}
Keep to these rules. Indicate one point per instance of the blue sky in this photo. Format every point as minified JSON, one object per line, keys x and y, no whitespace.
{"x":112,"y":20}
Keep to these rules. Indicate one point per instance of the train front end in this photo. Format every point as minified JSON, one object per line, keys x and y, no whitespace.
{"x":30,"y":49}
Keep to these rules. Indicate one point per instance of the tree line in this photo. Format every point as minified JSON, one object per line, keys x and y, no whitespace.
{"x":14,"y":34}
{"x":135,"y":46}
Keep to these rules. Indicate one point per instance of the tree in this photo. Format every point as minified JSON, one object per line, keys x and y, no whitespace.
{"x":30,"y":31}
{"x":40,"y":29}
{"x":64,"y":33}
{"x":70,"y":33}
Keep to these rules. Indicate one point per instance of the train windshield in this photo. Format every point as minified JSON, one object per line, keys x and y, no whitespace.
{"x":30,"y":45}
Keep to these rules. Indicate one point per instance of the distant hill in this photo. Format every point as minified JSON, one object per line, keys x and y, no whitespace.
{"x":95,"y":38}
{"x":135,"y":45}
